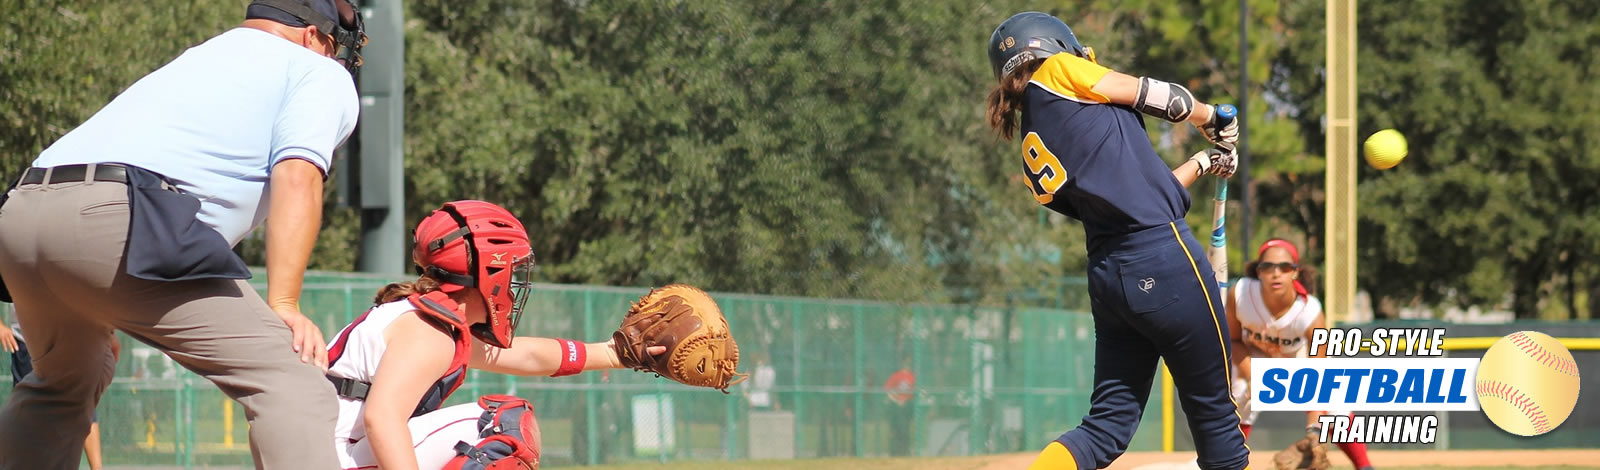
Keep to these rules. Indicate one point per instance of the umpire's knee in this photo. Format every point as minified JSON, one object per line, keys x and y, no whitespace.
{"x":316,"y":392}
{"x":70,"y":375}
{"x":301,"y":392}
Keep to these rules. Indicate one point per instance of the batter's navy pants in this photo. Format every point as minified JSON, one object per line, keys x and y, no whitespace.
{"x":1154,"y":296}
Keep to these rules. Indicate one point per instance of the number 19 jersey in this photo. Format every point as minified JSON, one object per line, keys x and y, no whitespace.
{"x":1091,"y":160}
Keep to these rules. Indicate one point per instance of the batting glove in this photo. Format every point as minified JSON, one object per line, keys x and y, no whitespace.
{"x":1216,"y":161}
{"x":1224,"y":136}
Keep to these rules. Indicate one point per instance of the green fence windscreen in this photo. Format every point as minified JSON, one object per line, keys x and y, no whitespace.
{"x":987,"y":380}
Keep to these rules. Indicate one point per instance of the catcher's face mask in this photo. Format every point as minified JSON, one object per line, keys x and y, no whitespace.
{"x":479,"y":246}
{"x":505,"y":295}
{"x":521,"y":289}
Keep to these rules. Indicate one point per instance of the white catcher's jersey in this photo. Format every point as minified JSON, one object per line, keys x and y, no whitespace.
{"x":359,"y":361}
{"x":433,"y":435}
{"x":1257,"y":323}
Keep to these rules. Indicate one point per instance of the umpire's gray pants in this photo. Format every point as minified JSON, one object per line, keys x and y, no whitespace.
{"x":61,"y":249}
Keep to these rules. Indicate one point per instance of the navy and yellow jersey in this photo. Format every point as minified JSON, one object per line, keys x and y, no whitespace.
{"x":1091,"y":160}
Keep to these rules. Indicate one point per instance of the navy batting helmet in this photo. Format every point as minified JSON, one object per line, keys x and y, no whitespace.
{"x":1027,"y":36}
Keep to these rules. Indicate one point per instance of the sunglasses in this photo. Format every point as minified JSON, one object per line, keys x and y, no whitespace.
{"x":1280,"y":267}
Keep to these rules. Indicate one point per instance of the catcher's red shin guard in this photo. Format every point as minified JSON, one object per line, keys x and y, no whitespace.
{"x":510,"y":437}
{"x":1357,"y":452}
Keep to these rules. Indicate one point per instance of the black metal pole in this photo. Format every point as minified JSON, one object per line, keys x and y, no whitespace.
{"x":1244,"y":110}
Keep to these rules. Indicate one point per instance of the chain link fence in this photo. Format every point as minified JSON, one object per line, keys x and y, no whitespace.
{"x":966,"y":380}
{"x":829,"y":378}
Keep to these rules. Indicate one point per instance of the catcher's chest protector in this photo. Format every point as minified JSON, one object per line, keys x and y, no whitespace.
{"x":430,"y":310}
{"x":1257,"y":323}
{"x":510,"y":437}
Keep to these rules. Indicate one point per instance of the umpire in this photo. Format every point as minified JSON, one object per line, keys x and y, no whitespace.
{"x":128,"y":222}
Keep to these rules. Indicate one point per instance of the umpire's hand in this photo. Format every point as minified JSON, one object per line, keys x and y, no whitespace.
{"x":307,"y":336}
{"x":7,"y":340}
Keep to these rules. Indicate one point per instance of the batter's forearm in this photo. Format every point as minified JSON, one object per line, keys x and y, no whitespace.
{"x":1202,"y":114}
{"x":1187,"y":173}
{"x":1170,"y":102}
{"x":293,"y":221}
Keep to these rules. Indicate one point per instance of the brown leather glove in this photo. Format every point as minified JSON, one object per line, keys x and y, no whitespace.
{"x":1308,"y":453}
{"x":700,"y":349}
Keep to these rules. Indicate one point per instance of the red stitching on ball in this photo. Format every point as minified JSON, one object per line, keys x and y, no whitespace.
{"x":1505,"y":392}
{"x":1544,"y":356}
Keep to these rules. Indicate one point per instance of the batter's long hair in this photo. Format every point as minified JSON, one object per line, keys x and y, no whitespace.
{"x":400,"y":290}
{"x":1005,"y":101}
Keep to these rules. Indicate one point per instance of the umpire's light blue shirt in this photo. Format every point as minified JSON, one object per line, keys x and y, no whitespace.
{"x":216,"y":119}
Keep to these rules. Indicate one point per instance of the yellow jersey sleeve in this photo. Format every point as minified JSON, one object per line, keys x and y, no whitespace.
{"x":1071,"y":77}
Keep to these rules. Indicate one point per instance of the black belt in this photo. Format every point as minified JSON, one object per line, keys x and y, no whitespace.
{"x":110,"y":172}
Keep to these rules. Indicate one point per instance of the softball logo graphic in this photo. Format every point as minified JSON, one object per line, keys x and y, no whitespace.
{"x":1527,"y":383}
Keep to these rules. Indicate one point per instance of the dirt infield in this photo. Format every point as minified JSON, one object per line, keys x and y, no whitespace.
{"x":1578,"y":458}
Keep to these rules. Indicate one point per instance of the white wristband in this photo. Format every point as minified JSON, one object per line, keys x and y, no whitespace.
{"x":1204,"y":159}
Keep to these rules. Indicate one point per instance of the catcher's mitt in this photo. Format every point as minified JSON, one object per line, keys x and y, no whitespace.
{"x":700,"y":350}
{"x":1306,"y":454}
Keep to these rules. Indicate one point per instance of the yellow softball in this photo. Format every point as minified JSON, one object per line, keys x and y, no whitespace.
{"x":1527,"y":383}
{"x":1384,"y":149}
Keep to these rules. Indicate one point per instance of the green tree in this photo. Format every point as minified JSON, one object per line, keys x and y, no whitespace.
{"x":60,"y":62}
{"x":811,"y":148}
{"x":1195,"y":43}
{"x":1495,"y":201}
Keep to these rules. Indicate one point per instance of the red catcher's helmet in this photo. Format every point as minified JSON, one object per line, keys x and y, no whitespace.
{"x":479,"y":245}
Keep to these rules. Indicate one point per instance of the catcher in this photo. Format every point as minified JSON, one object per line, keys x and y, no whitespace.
{"x":462,"y":313}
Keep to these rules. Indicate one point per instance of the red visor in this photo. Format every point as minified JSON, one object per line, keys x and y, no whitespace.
{"x":1294,"y":254}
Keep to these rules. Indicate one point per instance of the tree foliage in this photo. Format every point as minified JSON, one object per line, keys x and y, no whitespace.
{"x":838,"y":148}
{"x":818,"y":148}
{"x":1195,"y":43}
{"x":1496,"y":200}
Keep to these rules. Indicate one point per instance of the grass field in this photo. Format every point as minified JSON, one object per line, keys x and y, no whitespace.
{"x":973,"y":463}
{"x":949,"y":463}
{"x":963,"y":463}
{"x":1387,"y":460}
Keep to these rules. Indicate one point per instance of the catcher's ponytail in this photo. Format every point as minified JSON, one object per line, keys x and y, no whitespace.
{"x":400,"y":290}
